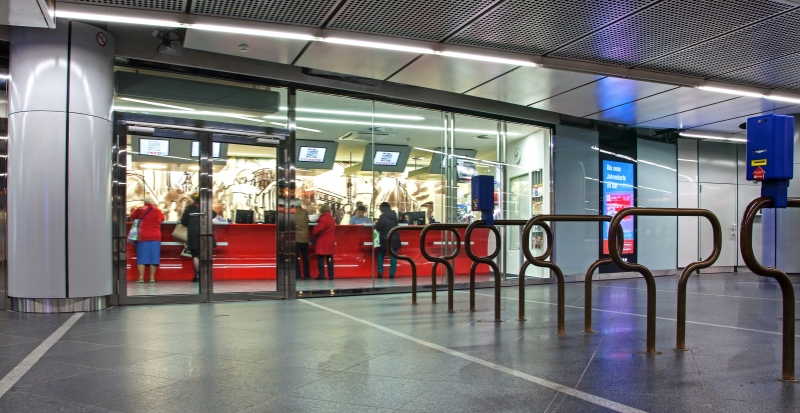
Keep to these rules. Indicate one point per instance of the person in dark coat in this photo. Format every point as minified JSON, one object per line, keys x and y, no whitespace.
{"x":325,"y":241}
{"x":386,"y":222}
{"x":191,"y":220}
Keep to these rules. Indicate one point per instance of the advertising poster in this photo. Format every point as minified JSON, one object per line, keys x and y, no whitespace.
{"x":617,"y":195}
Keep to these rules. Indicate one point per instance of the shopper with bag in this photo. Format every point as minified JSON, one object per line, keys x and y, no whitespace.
{"x":325,"y":241}
{"x":191,"y":220}
{"x":146,"y":231}
{"x":386,"y":222}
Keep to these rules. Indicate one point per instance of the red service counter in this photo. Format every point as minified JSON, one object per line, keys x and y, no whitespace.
{"x":247,"y":252}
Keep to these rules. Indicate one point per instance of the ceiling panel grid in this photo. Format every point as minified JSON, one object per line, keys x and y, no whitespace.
{"x":430,"y":20}
{"x":754,"y":44}
{"x":300,"y":12}
{"x":780,"y":73}
{"x":539,"y":26}
{"x":667,"y":27}
{"x":163,"y":5}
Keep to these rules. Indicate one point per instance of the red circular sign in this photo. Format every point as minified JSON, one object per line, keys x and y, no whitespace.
{"x":101,"y":39}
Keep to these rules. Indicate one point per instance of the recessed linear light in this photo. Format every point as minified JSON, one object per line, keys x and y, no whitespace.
{"x":296,"y":127}
{"x":116,"y":19}
{"x":391,"y":125}
{"x":152,"y":166}
{"x":378,"y":45}
{"x":782,"y":99}
{"x":719,"y":138}
{"x":731,"y":91}
{"x":2,"y":76}
{"x":147,"y":102}
{"x":252,"y":32}
{"x":193,"y":112}
{"x":483,"y":58}
{"x":350,"y":113}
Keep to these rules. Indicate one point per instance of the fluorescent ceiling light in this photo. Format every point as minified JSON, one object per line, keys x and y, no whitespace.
{"x":782,"y":99}
{"x":116,"y":19}
{"x":296,"y":127}
{"x":351,"y":113}
{"x":719,"y":138}
{"x":252,"y":32}
{"x":377,"y":45}
{"x":483,"y":58}
{"x":2,"y":76}
{"x":152,"y":166}
{"x":390,"y":125}
{"x":731,"y":91}
{"x":147,"y":102}
{"x":194,"y":168}
{"x":194,"y":112}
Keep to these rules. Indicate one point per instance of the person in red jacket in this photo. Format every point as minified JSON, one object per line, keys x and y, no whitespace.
{"x":325,"y":242}
{"x":148,"y":245}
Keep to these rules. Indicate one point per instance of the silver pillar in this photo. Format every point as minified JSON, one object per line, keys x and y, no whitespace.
{"x":59,"y":180}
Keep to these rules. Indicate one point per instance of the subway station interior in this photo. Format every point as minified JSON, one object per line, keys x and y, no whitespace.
{"x":399,"y":206}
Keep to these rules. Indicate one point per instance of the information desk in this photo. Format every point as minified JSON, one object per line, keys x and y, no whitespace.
{"x":247,"y":252}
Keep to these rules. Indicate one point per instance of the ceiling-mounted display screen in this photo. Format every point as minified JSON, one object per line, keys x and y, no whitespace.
{"x":313,"y":154}
{"x":154,"y":147}
{"x":386,"y":158}
{"x":196,"y":149}
{"x":439,"y":161}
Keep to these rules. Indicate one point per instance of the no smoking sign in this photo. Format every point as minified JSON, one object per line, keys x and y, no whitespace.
{"x":101,"y":39}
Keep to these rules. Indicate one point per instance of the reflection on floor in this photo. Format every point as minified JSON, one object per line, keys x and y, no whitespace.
{"x":186,"y":287}
{"x":378,"y":353}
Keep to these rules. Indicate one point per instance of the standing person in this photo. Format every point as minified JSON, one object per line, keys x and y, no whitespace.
{"x":301,"y":239}
{"x":148,"y":244}
{"x":386,"y":222}
{"x":191,"y":220}
{"x":359,"y":218}
{"x":325,"y":241}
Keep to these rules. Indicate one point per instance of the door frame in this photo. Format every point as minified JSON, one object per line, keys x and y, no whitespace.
{"x":206,"y":132}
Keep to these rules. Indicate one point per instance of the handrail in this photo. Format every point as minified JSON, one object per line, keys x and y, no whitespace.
{"x":406,"y":258}
{"x":787,"y":290}
{"x":614,"y":252}
{"x":443,"y":259}
{"x":540,"y":260}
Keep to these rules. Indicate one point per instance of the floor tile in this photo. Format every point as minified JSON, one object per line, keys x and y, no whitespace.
{"x":25,"y":402}
{"x":375,"y":391}
{"x":97,"y":387}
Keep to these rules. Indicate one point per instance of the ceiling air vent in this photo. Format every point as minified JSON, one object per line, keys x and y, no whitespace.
{"x":375,"y":134}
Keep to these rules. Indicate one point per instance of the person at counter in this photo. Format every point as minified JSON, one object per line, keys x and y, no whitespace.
{"x":325,"y":241}
{"x":385,"y":223}
{"x":301,"y":239}
{"x":191,"y":220}
{"x":359,"y":218}
{"x":148,"y":244}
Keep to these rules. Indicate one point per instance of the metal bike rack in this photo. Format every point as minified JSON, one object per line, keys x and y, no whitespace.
{"x":614,"y":252}
{"x":540,"y":220}
{"x":444,"y":260}
{"x":746,"y":246}
{"x":408,"y":259}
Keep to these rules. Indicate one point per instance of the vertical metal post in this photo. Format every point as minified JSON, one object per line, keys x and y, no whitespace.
{"x":119,"y":178}
{"x":205,"y":217}
{"x":287,"y":258}
{"x":3,"y":214}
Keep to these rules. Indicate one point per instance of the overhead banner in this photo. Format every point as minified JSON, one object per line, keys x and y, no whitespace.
{"x":617,"y":195}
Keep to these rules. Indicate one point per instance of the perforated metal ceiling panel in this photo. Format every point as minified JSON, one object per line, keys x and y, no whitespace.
{"x":427,"y":20}
{"x":539,"y":26}
{"x":300,"y":12}
{"x":757,"y":43}
{"x":781,"y":73}
{"x":666,"y":27}
{"x":164,"y":5}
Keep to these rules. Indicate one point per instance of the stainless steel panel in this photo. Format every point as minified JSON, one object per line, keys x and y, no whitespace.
{"x":604,"y":94}
{"x":89,"y":207}
{"x":717,"y":162}
{"x":688,"y":227}
{"x":38,"y":67}
{"x":527,"y":85}
{"x":359,"y":61}
{"x":36,"y":200}
{"x":259,"y":48}
{"x":732,"y":125}
{"x":660,"y":105}
{"x":450,"y":74}
{"x":301,"y":12}
{"x":735,"y":108}
{"x":658,"y":188}
{"x":58,"y":305}
{"x":91,"y":77}
{"x":687,"y":161}
{"x":721,"y":200}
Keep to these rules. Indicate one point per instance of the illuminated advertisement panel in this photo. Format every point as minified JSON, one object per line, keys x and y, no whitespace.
{"x":617,"y":195}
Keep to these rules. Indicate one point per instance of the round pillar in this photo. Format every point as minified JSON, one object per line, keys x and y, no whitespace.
{"x":59,"y":179}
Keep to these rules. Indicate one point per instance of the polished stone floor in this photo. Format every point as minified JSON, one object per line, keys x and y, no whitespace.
{"x":379,"y":353}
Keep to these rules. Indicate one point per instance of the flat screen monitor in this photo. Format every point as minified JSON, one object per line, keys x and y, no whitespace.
{"x":243,"y":216}
{"x":386,"y":158}
{"x":216,"y":146}
{"x":439,"y":161}
{"x":153,"y":147}
{"x":414,"y":218}
{"x":466,"y":169}
{"x":312,"y":154}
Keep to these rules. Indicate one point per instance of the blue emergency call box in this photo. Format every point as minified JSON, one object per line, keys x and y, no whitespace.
{"x":770,"y":155}
{"x":483,"y":197}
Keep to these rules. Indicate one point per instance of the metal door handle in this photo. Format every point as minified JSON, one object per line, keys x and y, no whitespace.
{"x":194,"y":214}
{"x":733,"y":230}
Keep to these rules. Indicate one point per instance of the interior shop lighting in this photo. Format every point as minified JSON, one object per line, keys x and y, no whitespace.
{"x":389,"y":125}
{"x":731,"y":91}
{"x":152,"y":166}
{"x":193,"y":112}
{"x":718,"y":138}
{"x":194,"y":168}
{"x":351,"y":113}
{"x":147,"y":102}
{"x":296,"y":127}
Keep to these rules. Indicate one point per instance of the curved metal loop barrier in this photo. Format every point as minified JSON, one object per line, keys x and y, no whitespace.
{"x":539,"y":261}
{"x":746,"y":246}
{"x":443,"y":259}
{"x":407,"y":259}
{"x":614,"y":252}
